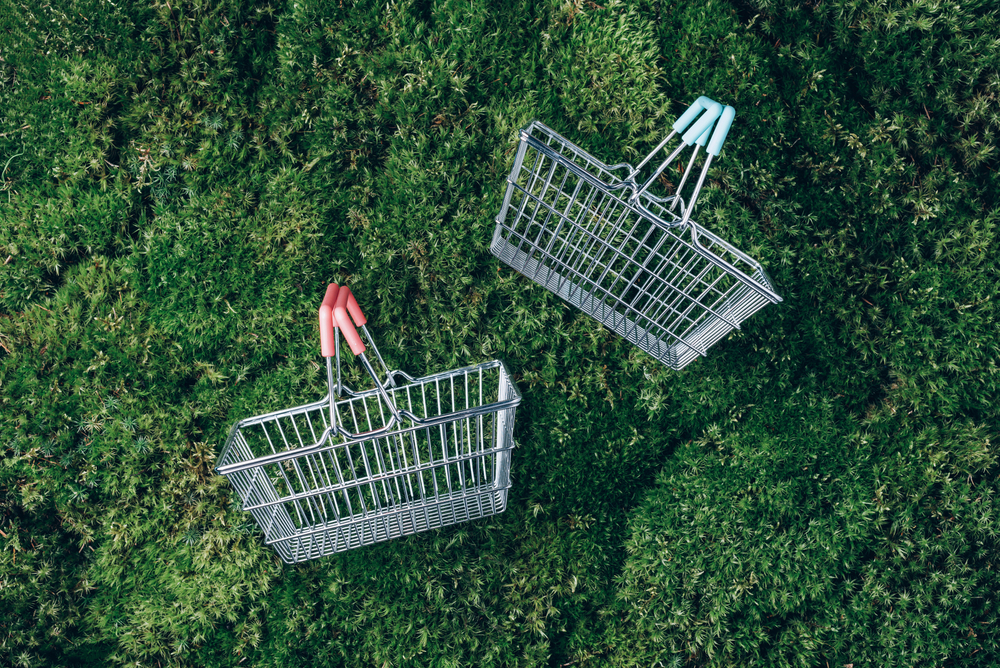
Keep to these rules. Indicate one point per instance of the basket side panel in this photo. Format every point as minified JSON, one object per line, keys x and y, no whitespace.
{"x":742,"y":304}
{"x":581,"y":241}
{"x":504,"y":435}
{"x":337,"y":537}
{"x":354,"y":493}
{"x":255,"y":488}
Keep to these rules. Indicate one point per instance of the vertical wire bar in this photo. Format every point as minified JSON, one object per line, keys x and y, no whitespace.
{"x":417,"y":464}
{"x":473,"y":461}
{"x":281,"y":470}
{"x":298,"y":472}
{"x":321,"y":458}
{"x":354,"y":473}
{"x":532,"y":177}
{"x":309,"y":463}
{"x":347,"y":449}
{"x":435,"y":466}
{"x":405,"y":474}
{"x":457,"y":434}
{"x":340,"y":476}
{"x":390,"y":499}
{"x":444,"y":440}
{"x":368,"y":473}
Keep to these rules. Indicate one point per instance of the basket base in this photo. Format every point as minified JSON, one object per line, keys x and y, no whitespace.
{"x":675,"y":355}
{"x":406,"y":519}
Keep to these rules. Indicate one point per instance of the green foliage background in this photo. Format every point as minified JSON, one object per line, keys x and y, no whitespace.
{"x":181,"y":179}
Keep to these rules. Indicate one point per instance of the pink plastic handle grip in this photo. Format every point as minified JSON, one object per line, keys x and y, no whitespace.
{"x":346,"y":326}
{"x":355,"y":310}
{"x":326,"y":320}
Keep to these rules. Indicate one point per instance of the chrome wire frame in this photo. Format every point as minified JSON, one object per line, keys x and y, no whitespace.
{"x":587,"y":232}
{"x":317,"y":488}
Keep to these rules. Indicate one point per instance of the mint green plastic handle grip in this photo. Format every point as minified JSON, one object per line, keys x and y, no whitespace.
{"x":696,"y":132}
{"x":680,"y":125}
{"x":702,"y":124}
{"x":721,"y":130}
{"x":703,"y":139}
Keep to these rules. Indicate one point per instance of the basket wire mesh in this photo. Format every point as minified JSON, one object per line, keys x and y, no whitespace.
{"x":398,"y":459}
{"x":594,"y":235}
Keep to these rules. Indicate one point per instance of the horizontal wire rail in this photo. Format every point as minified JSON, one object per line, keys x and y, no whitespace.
{"x":341,"y":473}
{"x":567,"y":224}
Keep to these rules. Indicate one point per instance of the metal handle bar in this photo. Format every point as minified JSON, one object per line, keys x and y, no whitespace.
{"x":721,"y":130}
{"x":697,"y":134}
{"x":332,"y":318}
{"x":323,"y":444}
{"x":712,"y":111}
{"x":345,"y":309}
{"x":346,"y":302}
{"x":329,"y":329}
{"x":329,"y":341}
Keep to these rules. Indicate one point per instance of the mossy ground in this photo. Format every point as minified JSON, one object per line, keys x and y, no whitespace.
{"x":181,"y":179}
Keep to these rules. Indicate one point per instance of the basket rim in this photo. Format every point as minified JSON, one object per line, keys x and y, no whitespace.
{"x":765,"y":288}
{"x":322,"y":443}
{"x":374,"y":479}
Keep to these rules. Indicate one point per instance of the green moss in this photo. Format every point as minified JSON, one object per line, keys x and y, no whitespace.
{"x":181,"y":180}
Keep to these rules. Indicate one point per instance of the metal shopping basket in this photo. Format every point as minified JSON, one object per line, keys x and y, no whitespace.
{"x":594,"y":235}
{"x":409,"y":455}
